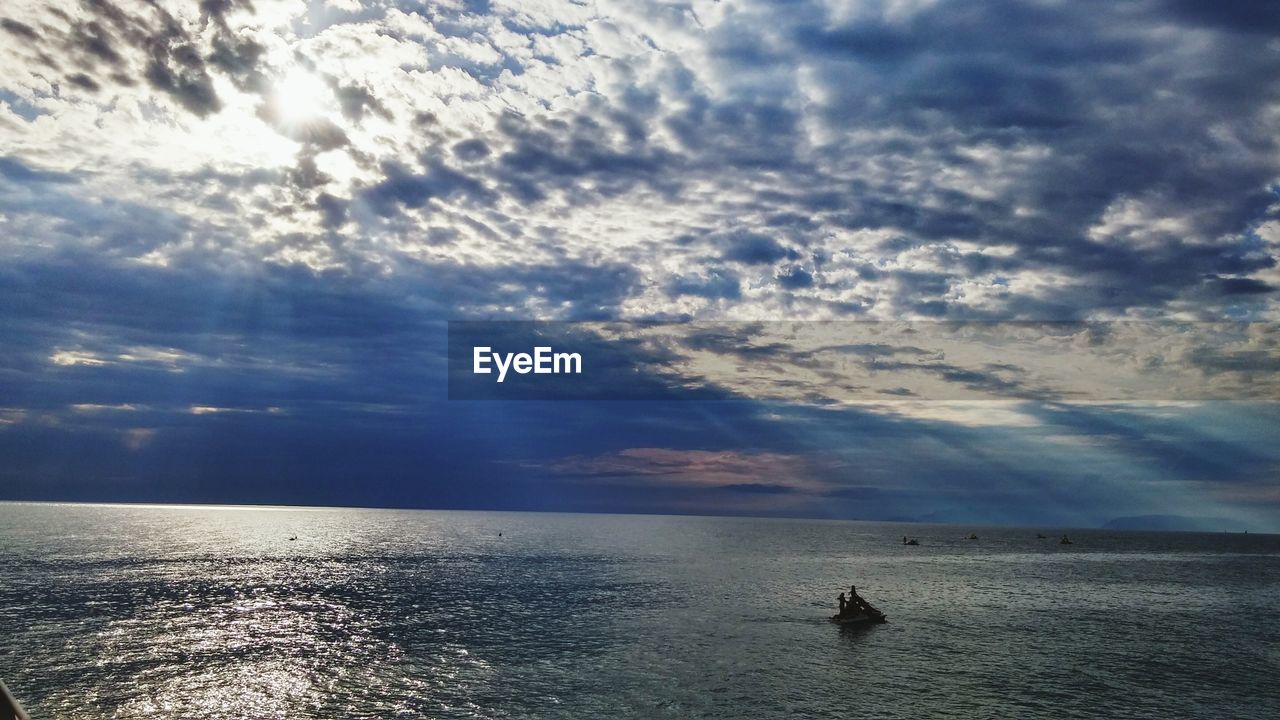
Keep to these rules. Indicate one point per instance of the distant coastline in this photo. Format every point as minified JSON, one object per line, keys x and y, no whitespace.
{"x":1173,"y":523}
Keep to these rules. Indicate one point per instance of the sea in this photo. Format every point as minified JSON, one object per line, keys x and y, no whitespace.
{"x":249,"y":612}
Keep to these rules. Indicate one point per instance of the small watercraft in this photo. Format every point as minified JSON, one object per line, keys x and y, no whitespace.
{"x":856,"y":611}
{"x":1040,"y":536}
{"x":972,"y":536}
{"x":912,"y":541}
{"x":859,"y":619}
{"x":1065,"y":540}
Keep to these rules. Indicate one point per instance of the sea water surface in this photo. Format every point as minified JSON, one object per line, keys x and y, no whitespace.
{"x":198,"y":612}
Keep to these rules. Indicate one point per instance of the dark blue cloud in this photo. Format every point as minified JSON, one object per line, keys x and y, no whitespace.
{"x":414,"y":190}
{"x":17,"y":171}
{"x":1248,"y":16}
{"x":795,"y":278}
{"x":754,"y":249}
{"x":718,"y":283}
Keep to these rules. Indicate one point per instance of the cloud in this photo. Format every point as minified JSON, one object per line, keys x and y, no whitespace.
{"x":409,"y":190}
{"x":795,"y":278}
{"x":730,"y":470}
{"x":1249,"y":16}
{"x":716,"y":283}
{"x":19,"y":29}
{"x":753,"y":249}
{"x":136,"y":439}
{"x":1244,"y":286}
{"x":1024,"y":173}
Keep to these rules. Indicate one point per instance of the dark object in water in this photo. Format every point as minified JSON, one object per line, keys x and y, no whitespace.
{"x":1041,"y":536}
{"x":858,"y":619}
{"x":9,"y":707}
{"x":295,"y":537}
{"x":910,"y":541}
{"x":856,"y":610}
{"x":1065,"y":541}
{"x":973,"y":536}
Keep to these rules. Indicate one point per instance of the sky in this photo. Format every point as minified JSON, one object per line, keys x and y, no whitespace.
{"x":233,"y":234}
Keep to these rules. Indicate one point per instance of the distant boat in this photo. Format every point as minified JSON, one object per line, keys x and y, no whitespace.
{"x":1065,"y":540}
{"x":972,"y":536}
{"x":909,"y":541}
{"x":1040,"y":536}
{"x":295,"y":537}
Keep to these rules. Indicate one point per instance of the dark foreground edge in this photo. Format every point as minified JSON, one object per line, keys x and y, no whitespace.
{"x":9,"y":707}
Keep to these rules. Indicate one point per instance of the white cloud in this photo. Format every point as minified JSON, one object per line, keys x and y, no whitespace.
{"x":872,"y":145}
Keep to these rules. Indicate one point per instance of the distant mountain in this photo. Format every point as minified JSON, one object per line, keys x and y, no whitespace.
{"x":1171,"y":522}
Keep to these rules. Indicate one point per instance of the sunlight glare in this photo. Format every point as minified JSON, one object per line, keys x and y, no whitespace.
{"x":301,"y":97}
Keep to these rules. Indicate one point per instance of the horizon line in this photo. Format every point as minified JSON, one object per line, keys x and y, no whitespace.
{"x":158,"y":505}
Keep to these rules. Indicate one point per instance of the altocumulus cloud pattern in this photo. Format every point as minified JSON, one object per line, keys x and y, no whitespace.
{"x":235,"y":229}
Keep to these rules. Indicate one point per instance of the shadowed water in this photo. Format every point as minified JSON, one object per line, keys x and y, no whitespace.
{"x":151,"y":612}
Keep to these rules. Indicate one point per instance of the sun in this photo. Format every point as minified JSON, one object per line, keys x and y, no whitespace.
{"x":301,"y":97}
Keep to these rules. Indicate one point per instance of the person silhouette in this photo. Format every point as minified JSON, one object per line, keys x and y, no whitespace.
{"x":843,"y":604}
{"x":858,"y":604}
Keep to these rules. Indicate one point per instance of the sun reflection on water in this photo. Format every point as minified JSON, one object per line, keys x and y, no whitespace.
{"x":133,"y":613}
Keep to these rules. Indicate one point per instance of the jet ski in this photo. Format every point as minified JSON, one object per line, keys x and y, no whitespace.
{"x":859,"y":619}
{"x":856,"y":611}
